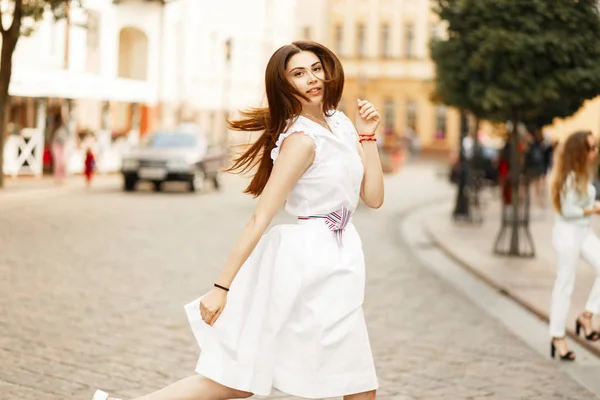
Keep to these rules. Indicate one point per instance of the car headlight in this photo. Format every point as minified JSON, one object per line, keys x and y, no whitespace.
{"x":179,"y":165}
{"x":130,"y":164}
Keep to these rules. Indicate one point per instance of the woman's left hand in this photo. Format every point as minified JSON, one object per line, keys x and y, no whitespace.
{"x":369,"y":117}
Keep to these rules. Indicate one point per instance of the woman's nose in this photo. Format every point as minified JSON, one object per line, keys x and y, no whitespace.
{"x":311,"y":77}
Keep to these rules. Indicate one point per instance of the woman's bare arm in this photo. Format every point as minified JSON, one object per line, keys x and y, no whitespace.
{"x":296,"y":155}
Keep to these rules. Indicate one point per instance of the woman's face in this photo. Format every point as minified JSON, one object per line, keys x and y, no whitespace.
{"x":305,"y":72}
{"x":593,"y":148}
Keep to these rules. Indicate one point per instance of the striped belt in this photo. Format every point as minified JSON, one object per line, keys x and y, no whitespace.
{"x":335,"y":221}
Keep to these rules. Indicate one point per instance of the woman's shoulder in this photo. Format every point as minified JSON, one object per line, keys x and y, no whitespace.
{"x":296,"y":124}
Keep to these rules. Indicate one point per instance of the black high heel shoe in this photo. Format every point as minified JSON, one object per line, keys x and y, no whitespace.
{"x":568,"y":356}
{"x":593,"y":336}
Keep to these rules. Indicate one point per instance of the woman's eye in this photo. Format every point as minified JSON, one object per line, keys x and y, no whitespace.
{"x":298,"y":73}
{"x":317,"y":69}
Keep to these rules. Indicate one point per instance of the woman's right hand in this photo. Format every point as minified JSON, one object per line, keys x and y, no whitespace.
{"x":594,"y":210}
{"x":212,"y":305}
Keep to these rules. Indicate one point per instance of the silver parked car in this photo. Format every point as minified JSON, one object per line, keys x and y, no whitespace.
{"x":170,"y":156}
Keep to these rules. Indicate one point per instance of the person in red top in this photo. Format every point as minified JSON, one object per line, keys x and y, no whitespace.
{"x":504,"y":176}
{"x":90,"y":166}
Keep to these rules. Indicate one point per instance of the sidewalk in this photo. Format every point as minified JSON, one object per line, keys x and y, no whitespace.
{"x":527,"y":280}
{"x":26,"y":187}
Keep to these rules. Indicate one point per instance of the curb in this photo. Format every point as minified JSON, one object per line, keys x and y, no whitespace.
{"x":500,"y":289}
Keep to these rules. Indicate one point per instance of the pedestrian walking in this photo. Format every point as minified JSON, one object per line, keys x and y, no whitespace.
{"x":59,"y":139}
{"x":536,"y":165}
{"x":574,"y":198}
{"x":286,"y":310}
{"x":89,"y":166}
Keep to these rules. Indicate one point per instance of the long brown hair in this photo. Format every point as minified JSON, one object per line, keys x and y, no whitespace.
{"x":282,"y":106}
{"x":572,"y":156}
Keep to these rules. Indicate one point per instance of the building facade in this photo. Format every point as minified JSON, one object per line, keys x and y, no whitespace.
{"x":384,"y":48}
{"x":222,"y":49}
{"x":118,"y":69}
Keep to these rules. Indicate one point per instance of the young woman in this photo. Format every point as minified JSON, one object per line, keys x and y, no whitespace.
{"x":573,"y":197}
{"x":286,"y":310}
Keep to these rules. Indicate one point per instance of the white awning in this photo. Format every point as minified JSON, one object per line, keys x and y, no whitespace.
{"x":80,"y":85}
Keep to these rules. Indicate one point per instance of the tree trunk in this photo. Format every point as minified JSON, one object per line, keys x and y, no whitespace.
{"x":461,"y":206}
{"x":9,"y":43}
{"x":515,"y":175}
{"x":477,"y":158}
{"x":476,"y":143}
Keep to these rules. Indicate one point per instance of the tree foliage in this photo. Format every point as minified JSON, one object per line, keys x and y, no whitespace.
{"x":30,"y":12}
{"x":530,"y":59}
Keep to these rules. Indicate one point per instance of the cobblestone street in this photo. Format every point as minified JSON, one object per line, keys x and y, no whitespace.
{"x":93,"y":288}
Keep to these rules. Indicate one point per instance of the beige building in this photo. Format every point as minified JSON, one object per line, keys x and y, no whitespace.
{"x":587,"y":118}
{"x":384,"y":47}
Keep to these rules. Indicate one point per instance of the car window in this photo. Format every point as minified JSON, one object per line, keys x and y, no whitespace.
{"x":172,"y":140}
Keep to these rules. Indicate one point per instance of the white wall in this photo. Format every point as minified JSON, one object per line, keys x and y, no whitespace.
{"x":186,"y":52}
{"x":197,"y":31}
{"x":39,"y":68}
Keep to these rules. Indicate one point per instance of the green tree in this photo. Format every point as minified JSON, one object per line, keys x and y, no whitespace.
{"x":23,"y":16}
{"x":527,"y":61}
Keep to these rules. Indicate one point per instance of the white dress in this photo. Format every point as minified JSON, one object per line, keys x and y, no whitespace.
{"x":294,"y":317}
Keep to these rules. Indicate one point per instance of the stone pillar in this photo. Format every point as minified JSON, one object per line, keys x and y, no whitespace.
{"x":134,"y":132}
{"x":40,"y":117}
{"x":105,"y":116}
{"x":41,"y":106}
{"x":71,"y":116}
{"x":104,"y":140}
{"x":135,"y":117}
{"x":73,"y":164}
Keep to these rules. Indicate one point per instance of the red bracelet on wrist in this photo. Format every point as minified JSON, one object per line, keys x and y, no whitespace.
{"x":367,"y":139}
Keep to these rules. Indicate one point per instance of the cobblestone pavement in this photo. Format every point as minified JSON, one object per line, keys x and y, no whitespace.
{"x":93,"y":287}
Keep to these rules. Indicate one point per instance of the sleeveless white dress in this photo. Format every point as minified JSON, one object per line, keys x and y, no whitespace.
{"x":294,"y":318}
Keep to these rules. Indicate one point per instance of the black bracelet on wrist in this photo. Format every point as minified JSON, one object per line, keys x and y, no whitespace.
{"x":221,"y":287}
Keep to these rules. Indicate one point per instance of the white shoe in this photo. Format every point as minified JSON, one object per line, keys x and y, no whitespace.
{"x":101,"y":395}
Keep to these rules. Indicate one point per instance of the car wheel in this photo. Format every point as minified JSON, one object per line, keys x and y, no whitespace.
{"x":129,"y":184}
{"x":198,"y":181}
{"x":216,"y":183}
{"x":157,"y":186}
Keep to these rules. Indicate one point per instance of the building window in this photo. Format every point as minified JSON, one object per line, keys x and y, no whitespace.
{"x":390,"y":116}
{"x":385,"y":41}
{"x":441,"y":120}
{"x":339,"y":38}
{"x":411,"y":115}
{"x":409,"y":41}
{"x":360,"y":40}
{"x":306,"y":34}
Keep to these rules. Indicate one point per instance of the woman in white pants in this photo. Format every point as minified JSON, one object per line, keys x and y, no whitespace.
{"x":573,"y":197}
